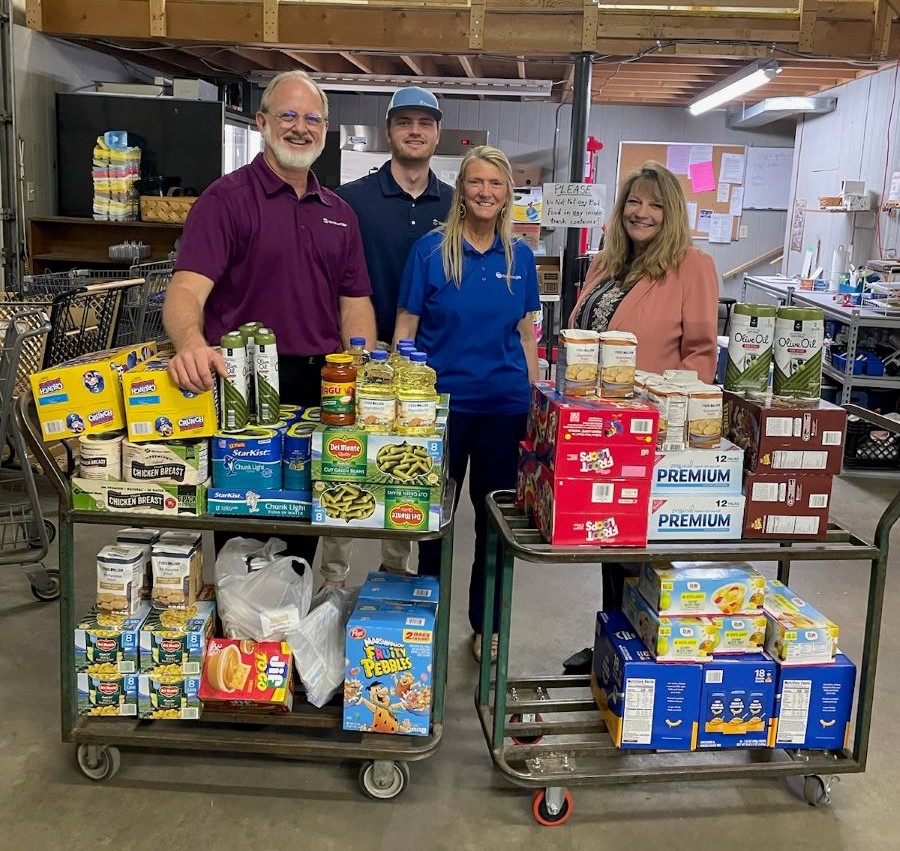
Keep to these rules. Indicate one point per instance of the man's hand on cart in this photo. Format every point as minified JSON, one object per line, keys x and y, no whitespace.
{"x":194,"y":367}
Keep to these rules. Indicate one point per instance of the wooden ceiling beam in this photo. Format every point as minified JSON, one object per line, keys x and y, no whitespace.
{"x":370,"y":64}
{"x":323,"y":63}
{"x":471,"y":67}
{"x":266,"y":59}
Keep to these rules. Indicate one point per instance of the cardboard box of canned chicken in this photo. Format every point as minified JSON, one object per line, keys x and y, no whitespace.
{"x":84,"y":396}
{"x":364,"y":505}
{"x":140,"y":497}
{"x":349,"y":454}
{"x":156,"y":408}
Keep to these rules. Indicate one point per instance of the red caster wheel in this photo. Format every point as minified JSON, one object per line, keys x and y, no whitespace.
{"x":542,"y":813}
{"x":525,"y":740}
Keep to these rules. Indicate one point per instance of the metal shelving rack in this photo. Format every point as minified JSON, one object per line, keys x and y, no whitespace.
{"x":306,"y":732}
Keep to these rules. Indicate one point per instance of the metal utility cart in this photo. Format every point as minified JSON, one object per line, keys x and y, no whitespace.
{"x":546,"y":733}
{"x":305,"y":733}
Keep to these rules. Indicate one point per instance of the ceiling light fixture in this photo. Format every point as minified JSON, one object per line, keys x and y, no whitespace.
{"x":756,"y":74}
{"x":490,"y":86}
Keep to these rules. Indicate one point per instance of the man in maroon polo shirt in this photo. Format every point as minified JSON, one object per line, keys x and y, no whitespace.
{"x":267,"y":243}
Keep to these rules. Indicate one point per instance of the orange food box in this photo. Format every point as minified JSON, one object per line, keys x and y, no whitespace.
{"x":246,"y":674}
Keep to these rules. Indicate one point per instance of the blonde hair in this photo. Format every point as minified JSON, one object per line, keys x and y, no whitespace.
{"x":665,"y":251}
{"x":302,"y":76}
{"x":452,"y":229}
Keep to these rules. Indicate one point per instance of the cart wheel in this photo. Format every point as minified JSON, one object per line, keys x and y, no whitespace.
{"x":525,"y":740}
{"x":387,"y":786}
{"x":51,"y":531}
{"x":543,"y":815}
{"x":51,"y":591}
{"x":817,"y":790}
{"x":98,"y":762}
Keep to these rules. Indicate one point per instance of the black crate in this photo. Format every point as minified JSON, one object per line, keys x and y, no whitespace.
{"x":870,"y":446}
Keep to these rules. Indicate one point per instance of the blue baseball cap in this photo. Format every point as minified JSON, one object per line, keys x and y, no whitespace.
{"x":414,"y":97}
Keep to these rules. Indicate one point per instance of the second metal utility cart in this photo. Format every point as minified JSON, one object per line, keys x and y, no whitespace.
{"x":546,"y":733}
{"x":305,"y":733}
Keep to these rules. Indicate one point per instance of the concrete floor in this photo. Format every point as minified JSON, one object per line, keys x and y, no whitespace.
{"x":456,"y":799}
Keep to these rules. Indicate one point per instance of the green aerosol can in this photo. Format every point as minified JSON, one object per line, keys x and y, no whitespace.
{"x":266,"y":377}
{"x":235,"y":413}
{"x":248,"y":332}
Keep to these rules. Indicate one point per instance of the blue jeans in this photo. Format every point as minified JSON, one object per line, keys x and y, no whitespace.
{"x":488,"y":444}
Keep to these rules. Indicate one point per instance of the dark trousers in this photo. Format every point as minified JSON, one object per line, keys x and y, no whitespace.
{"x":614,"y":575}
{"x":300,"y":383}
{"x":488,"y":445}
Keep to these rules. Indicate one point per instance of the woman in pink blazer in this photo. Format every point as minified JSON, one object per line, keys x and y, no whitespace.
{"x":649,"y":280}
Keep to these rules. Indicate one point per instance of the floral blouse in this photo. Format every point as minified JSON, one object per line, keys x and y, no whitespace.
{"x":598,"y":308}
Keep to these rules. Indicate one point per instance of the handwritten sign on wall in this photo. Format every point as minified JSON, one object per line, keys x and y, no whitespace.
{"x":575,"y":205}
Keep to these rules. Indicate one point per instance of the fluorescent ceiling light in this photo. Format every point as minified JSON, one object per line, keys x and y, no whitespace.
{"x":491,"y":86}
{"x":752,"y":77}
{"x":740,"y":117}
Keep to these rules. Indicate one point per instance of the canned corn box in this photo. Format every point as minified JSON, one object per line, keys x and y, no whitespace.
{"x":175,"y":462}
{"x":138,"y":497}
{"x":174,"y":640}
{"x":156,"y":408}
{"x":347,"y":454}
{"x":261,"y":503}
{"x":102,"y":691}
{"x":365,"y":505}
{"x":102,"y":638}
{"x":169,"y":697}
{"x":696,"y":588}
{"x":84,"y":396}
{"x":797,"y":634}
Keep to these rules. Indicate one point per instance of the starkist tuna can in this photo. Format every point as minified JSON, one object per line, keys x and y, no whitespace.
{"x":247,"y":460}
{"x":296,"y":457}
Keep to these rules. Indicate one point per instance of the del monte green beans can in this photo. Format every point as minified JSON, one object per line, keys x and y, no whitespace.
{"x":235,"y":412}
{"x":750,"y":349}
{"x":799,"y":333}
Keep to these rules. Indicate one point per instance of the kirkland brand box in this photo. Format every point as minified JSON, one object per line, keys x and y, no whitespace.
{"x":372,"y":506}
{"x":393,"y":588}
{"x":388,"y":677}
{"x":737,"y":699}
{"x":354,"y":455}
{"x":261,"y":503}
{"x":698,"y":588}
{"x":140,"y":497}
{"x":786,"y":505}
{"x":84,"y":396}
{"x":556,"y":422}
{"x":610,"y":512}
{"x":718,"y":470}
{"x":696,"y":517}
{"x":813,"y":704}
{"x":797,"y":634}
{"x":645,"y":704}
{"x":109,"y":639}
{"x":805,"y":439}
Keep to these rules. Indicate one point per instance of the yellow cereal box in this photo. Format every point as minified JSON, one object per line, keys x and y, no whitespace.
{"x":84,"y":396}
{"x":157,"y":408}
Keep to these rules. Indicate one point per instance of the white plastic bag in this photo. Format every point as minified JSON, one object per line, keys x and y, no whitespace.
{"x":318,"y":643}
{"x":259,"y":594}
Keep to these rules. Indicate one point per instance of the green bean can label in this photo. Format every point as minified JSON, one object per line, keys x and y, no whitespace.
{"x":750,"y":349}
{"x":235,"y":414}
{"x":799,"y":333}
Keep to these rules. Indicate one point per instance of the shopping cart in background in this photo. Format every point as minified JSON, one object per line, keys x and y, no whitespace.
{"x":55,"y":283}
{"x":141,"y":318}
{"x":25,"y":535}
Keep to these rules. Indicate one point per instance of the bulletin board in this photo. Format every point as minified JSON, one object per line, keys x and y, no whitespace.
{"x":724,"y":198}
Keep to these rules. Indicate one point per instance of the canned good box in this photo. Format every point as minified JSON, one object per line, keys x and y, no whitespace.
{"x":174,"y":640}
{"x":697,"y":588}
{"x":104,"y":638}
{"x":261,"y":503}
{"x":376,"y":506}
{"x":787,"y":505}
{"x":169,"y":697}
{"x":138,"y":497}
{"x":102,"y":691}
{"x":797,"y":634}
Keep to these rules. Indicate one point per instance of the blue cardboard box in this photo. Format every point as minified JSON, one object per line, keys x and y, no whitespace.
{"x":645,"y":704}
{"x":260,"y":503}
{"x":393,"y":588}
{"x":813,"y":704}
{"x":737,"y":698}
{"x":388,"y":674}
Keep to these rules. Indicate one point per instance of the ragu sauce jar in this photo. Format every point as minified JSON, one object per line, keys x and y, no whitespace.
{"x":338,"y":391}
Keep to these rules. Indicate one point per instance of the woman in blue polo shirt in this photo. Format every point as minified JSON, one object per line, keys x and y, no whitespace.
{"x":467,"y":297}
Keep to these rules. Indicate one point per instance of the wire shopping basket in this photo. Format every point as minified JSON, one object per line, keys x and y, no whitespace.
{"x":141,"y":318}
{"x":54,"y":283}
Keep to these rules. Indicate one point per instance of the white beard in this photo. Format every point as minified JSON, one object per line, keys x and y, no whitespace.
{"x":289,"y":157}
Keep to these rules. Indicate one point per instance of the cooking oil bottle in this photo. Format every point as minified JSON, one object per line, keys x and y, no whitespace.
{"x":400,"y":355}
{"x":358,"y":352}
{"x":376,"y":402}
{"x":416,"y":396}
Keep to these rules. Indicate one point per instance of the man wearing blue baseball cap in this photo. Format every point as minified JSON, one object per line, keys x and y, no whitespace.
{"x":396,"y":205}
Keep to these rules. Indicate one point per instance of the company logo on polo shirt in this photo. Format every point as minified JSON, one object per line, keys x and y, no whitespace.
{"x":511,"y":277}
{"x":332,"y":222}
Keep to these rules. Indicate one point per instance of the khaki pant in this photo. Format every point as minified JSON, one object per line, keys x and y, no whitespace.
{"x":336,"y":554}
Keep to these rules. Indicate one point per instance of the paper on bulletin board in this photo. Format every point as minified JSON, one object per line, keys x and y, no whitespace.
{"x":701,"y":154}
{"x":576,"y":205}
{"x":704,"y":221}
{"x":731,"y":169}
{"x":692,"y":214}
{"x":720,"y":225}
{"x":678,"y":158}
{"x":737,"y":201}
{"x":703,"y":178}
{"x":723,"y":191}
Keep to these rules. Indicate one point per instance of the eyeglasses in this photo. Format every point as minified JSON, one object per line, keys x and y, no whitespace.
{"x":311,"y":119}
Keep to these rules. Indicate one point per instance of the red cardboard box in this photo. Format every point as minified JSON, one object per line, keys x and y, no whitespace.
{"x":602,"y":461}
{"x":253,"y":675}
{"x":605,"y":513}
{"x":786,"y":505}
{"x":559,"y":423}
{"x":810,"y":440}
{"x":526,"y":477}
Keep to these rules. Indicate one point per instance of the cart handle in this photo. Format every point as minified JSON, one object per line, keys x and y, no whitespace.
{"x":36,"y":444}
{"x":885,"y":423}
